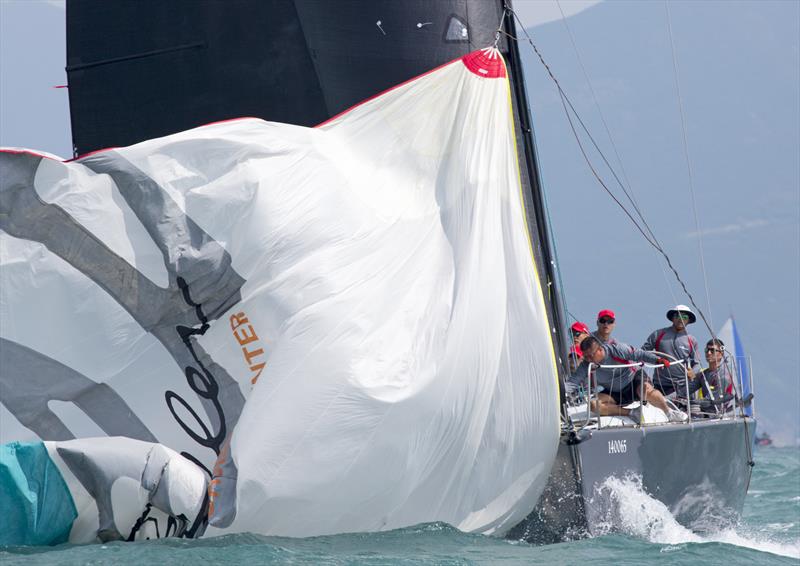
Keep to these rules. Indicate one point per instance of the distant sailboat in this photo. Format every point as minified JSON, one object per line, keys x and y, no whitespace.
{"x":736,"y":356}
{"x":763,"y":439}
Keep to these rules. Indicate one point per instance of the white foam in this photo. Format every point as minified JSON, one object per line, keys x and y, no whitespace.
{"x":763,"y":544}
{"x":633,"y":512}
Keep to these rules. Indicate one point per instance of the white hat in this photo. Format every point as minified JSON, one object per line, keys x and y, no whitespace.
{"x":682,"y":309}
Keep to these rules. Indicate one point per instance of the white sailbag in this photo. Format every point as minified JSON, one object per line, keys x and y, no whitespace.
{"x":355,"y":307}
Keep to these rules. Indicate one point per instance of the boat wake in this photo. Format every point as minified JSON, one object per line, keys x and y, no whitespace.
{"x":630,"y":510}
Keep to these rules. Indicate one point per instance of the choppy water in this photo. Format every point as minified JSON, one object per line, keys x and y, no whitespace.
{"x":769,"y":533}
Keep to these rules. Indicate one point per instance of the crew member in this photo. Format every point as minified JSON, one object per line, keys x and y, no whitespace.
{"x":605,"y":325}
{"x":606,"y":319}
{"x":575,"y":358}
{"x":579,"y":331}
{"x":619,"y":391}
{"x":676,"y":342}
{"x":716,"y":380}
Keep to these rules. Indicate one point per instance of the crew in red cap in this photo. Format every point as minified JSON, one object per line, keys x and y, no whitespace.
{"x":579,"y":331}
{"x":605,"y":324}
{"x":606,"y":320}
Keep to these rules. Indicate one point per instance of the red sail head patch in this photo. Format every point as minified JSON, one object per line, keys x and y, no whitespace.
{"x":486,"y":63}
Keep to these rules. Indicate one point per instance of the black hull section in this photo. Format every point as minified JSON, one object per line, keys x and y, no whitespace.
{"x":700,"y":471}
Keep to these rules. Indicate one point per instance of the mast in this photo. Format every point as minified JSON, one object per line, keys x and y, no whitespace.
{"x":535,"y":202}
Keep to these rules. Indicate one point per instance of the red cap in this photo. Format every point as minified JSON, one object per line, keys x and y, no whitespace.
{"x":606,"y":312}
{"x":580,"y":327}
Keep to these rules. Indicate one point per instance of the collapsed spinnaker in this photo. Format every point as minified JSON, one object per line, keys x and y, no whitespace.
{"x":346,"y":319}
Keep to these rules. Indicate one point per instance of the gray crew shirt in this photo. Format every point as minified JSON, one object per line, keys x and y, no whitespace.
{"x":681,"y":346}
{"x":612,"y":379}
{"x":609,"y":375}
{"x":720,"y":379}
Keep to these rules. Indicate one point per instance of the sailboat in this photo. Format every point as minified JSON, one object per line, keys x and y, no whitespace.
{"x":355,"y":326}
{"x":737,"y":359}
{"x":764,"y":439}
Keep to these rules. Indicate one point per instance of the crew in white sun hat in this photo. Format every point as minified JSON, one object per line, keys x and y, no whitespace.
{"x":676,"y":342}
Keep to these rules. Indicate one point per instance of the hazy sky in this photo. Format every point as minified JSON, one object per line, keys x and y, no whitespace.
{"x":738,"y":69}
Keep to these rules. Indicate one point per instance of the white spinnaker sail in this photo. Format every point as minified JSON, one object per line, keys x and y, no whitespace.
{"x":368,"y":286}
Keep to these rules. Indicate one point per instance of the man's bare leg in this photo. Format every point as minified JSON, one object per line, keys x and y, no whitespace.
{"x":655,"y":397}
{"x":607,"y":406}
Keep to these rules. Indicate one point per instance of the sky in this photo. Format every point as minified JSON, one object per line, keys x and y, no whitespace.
{"x":737,"y":66}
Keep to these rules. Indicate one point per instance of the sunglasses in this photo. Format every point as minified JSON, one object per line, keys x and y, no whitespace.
{"x":713,"y":350}
{"x":605,"y":320}
{"x":681,"y":316}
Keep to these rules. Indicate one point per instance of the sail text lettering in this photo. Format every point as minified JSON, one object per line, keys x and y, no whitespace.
{"x":245,"y":334}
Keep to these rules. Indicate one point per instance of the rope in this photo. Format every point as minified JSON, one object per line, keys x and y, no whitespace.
{"x":631,"y":196}
{"x":500,"y":27}
{"x":688,"y":161}
{"x":575,"y":318}
{"x":651,"y":239}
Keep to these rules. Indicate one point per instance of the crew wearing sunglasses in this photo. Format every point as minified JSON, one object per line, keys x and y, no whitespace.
{"x":579,"y":331}
{"x":605,"y":324}
{"x":678,"y":344}
{"x":717,"y":375}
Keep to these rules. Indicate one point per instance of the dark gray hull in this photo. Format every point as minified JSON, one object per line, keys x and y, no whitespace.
{"x":700,"y":471}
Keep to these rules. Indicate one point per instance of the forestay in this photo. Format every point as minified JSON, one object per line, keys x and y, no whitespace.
{"x":367,"y":286}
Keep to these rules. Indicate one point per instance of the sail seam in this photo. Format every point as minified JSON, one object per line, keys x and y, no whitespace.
{"x":143,"y":55}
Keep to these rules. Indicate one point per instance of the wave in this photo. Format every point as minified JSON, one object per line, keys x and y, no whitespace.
{"x":632,"y":511}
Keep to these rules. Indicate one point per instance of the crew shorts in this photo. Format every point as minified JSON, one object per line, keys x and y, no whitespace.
{"x":629,"y":393}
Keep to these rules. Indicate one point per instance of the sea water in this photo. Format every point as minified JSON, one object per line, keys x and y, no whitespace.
{"x":639,"y":530}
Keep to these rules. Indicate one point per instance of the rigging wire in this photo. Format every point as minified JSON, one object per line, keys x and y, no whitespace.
{"x":596,"y":102}
{"x":566,"y":103}
{"x":632,"y":196}
{"x":688,"y":161}
{"x":500,"y":27}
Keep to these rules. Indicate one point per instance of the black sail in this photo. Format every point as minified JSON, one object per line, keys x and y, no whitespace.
{"x":145,"y":69}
